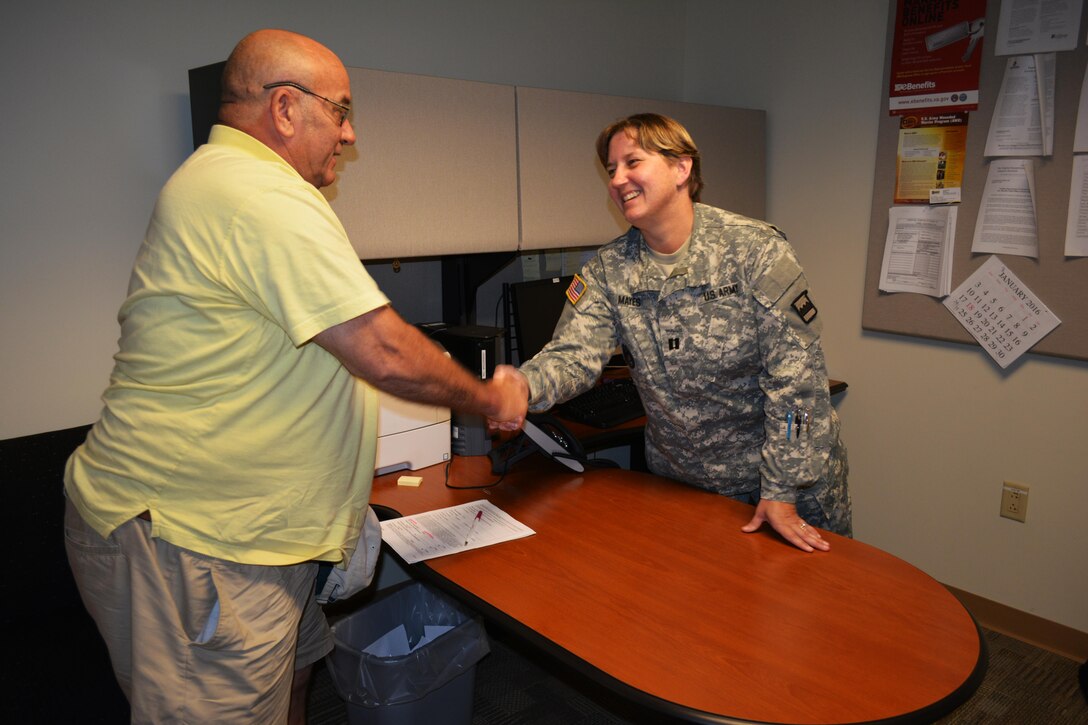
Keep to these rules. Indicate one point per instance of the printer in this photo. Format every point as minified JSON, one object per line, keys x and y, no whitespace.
{"x":410,"y":435}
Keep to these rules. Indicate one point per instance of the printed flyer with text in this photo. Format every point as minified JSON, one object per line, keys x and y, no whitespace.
{"x":936,"y":55}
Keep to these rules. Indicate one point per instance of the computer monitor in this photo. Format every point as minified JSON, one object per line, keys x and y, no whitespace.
{"x":535,"y":307}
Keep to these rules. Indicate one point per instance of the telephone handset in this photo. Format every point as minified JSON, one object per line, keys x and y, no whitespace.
{"x":555,"y":440}
{"x":541,"y":432}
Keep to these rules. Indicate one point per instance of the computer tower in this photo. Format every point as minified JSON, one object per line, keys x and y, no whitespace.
{"x":477,"y":347}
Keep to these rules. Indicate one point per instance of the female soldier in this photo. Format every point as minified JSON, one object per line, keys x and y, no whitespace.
{"x":723,"y":340}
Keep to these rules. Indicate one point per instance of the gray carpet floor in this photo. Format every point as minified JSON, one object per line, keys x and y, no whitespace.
{"x":1024,"y":685}
{"x":515,"y":686}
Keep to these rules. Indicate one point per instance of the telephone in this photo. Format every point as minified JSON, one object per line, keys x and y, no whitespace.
{"x":543,"y":433}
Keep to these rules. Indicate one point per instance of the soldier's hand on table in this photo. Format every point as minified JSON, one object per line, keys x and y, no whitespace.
{"x":784,"y":519}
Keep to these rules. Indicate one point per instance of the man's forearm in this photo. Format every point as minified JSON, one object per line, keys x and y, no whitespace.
{"x":395,"y":357}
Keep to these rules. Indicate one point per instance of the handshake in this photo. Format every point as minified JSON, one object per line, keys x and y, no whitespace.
{"x":510,"y":391}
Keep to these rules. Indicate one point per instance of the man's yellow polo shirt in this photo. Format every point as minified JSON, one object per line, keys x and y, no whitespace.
{"x":245,"y":440}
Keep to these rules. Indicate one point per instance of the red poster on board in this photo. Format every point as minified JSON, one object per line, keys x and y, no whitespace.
{"x":936,"y":55}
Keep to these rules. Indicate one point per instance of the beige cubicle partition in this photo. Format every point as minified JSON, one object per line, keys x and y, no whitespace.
{"x":434,"y":170}
{"x":444,"y":167}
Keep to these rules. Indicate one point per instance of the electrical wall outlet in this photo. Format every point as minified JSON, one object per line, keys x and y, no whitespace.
{"x":1014,"y":501}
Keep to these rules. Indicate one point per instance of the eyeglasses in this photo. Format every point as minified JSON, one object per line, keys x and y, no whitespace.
{"x":344,"y":110}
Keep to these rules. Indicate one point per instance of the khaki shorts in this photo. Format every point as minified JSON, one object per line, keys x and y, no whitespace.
{"x":193,"y":638}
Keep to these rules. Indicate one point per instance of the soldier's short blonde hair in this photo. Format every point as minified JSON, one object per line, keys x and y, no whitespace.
{"x":656,"y":134}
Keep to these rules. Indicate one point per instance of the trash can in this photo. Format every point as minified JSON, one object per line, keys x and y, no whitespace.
{"x":408,"y":657}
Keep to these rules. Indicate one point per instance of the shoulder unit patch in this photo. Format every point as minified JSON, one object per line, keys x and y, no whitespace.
{"x":803,"y":306}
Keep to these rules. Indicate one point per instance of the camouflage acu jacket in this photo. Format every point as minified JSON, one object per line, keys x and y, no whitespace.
{"x":725,"y":353}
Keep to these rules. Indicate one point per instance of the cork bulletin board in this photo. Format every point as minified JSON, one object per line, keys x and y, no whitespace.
{"x":1060,"y":282}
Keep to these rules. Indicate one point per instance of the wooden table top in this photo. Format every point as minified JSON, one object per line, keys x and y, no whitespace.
{"x":650,"y":587}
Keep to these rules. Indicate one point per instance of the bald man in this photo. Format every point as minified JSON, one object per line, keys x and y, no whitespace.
{"x":235,"y":448}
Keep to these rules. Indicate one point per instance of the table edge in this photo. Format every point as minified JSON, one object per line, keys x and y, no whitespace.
{"x":673,"y":710}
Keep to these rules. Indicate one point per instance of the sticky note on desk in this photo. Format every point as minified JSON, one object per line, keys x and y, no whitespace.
{"x":410,"y":481}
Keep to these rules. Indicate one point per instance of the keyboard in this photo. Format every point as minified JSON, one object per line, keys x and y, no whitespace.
{"x":606,"y":405}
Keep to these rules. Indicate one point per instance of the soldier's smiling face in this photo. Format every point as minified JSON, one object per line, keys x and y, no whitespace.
{"x":644,"y":185}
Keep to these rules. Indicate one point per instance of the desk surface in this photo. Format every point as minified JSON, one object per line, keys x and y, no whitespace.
{"x":649,"y":587}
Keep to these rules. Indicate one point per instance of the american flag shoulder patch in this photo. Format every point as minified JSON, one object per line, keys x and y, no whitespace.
{"x":576,"y":289}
